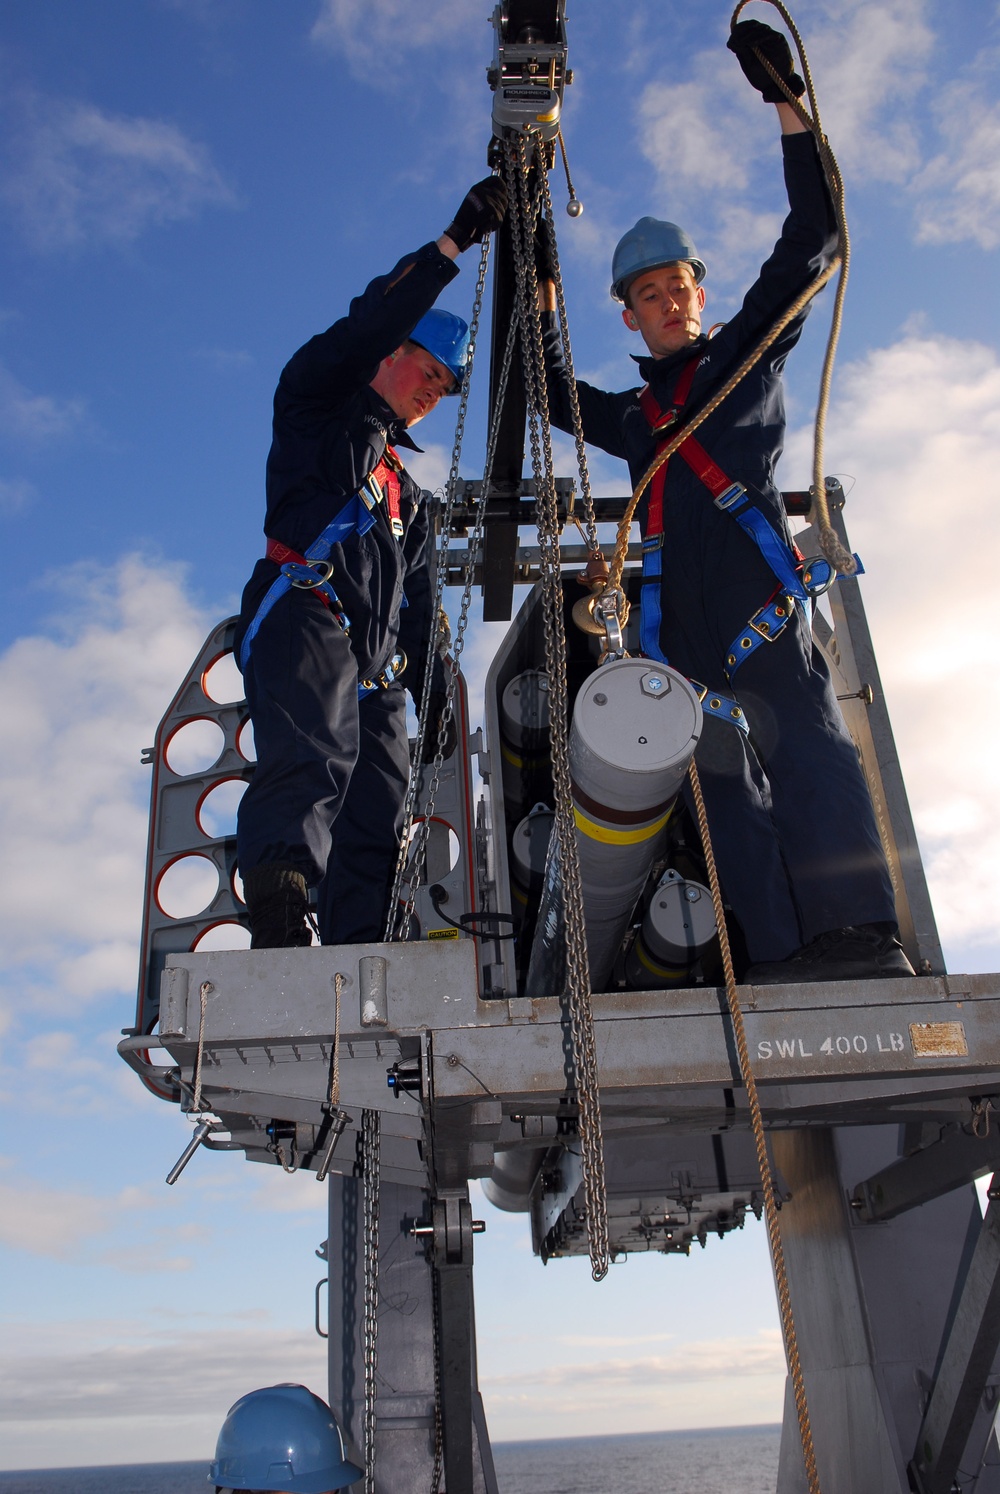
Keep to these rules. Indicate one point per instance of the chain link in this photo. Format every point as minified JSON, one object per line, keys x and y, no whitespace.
{"x":398,"y":918}
{"x":371,"y":1128}
{"x":586,"y":497}
{"x":524,"y":212}
{"x":438,"y":1417}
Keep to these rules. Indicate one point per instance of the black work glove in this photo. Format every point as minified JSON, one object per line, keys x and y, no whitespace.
{"x":435,"y":710}
{"x":543,"y":252}
{"x":746,"y":35}
{"x":482,"y":210}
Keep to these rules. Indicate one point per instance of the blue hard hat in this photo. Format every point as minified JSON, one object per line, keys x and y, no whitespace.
{"x":650,"y":243}
{"x":447,"y":337}
{"x":282,"y":1437}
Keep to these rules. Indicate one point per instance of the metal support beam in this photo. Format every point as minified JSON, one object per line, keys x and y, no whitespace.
{"x":854,"y":1446}
{"x":853,"y":655}
{"x":500,"y":539}
{"x":404,"y":1406}
{"x":964,"y":1369}
{"x":957,"y":1158}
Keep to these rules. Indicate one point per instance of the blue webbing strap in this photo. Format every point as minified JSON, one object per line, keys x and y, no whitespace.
{"x":355,"y":516}
{"x":764,"y":627}
{"x":713,"y":703}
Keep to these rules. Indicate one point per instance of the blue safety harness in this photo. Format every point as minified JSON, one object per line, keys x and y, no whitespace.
{"x":312,"y":571}
{"x":799,"y":580}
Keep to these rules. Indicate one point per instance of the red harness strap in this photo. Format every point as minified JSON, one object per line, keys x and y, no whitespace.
{"x":694,"y":454}
{"x":381,"y":484}
{"x":660,"y":422}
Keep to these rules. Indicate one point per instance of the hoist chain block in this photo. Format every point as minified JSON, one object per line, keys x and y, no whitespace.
{"x":529,"y":73}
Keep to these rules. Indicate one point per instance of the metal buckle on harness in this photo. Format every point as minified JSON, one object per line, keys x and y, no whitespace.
{"x":370,"y":492}
{"x":389,"y":674}
{"x":322,"y":569}
{"x":782,"y":609}
{"x":730,"y":497}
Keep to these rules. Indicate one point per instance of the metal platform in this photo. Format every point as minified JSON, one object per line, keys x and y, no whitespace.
{"x":871,"y":1092}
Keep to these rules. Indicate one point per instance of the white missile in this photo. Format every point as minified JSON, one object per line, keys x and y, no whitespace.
{"x":635,"y":728}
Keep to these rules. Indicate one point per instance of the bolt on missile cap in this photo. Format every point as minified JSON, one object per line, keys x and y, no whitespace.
{"x":654,"y":684}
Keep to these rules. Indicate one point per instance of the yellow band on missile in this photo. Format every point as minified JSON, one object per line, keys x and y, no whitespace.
{"x":663,"y":971}
{"x":610,"y":837}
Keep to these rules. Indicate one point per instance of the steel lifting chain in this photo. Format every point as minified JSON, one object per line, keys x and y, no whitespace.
{"x":438,"y":1470}
{"x":523,"y":210}
{"x":371,"y":1129}
{"x":411,"y":859}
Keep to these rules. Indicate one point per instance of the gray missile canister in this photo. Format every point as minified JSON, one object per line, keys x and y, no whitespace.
{"x":635,"y":728}
{"x":679,"y":927}
{"x":525,"y":761}
{"x":528,"y":848}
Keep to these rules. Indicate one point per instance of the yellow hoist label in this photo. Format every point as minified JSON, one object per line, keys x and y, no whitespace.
{"x":442,"y":933}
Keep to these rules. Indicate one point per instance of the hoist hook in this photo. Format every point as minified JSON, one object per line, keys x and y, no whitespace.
{"x":605,"y":612}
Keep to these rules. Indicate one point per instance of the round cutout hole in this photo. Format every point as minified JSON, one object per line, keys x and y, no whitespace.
{"x":442,"y":849}
{"x":222,"y":681}
{"x":195,"y":747}
{"x":217,"y":811}
{"x":224,"y":936}
{"x":245,"y":742}
{"x":187,"y":886}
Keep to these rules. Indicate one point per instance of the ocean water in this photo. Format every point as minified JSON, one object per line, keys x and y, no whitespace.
{"x":741,"y":1460}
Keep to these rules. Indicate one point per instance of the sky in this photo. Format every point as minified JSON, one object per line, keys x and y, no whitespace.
{"x":189,"y":189}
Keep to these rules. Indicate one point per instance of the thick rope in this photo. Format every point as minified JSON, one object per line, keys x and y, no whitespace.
{"x":760,"y":1143}
{"x":829,"y":541}
{"x":334,"y":1097}
{"x":206,"y":988}
{"x":678,"y":439}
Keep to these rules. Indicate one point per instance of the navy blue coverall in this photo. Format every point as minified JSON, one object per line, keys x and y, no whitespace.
{"x":794,"y":832}
{"x":328,"y":790}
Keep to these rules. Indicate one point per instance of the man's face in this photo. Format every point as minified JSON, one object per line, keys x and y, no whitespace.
{"x":411,"y":381}
{"x":664,"y":307}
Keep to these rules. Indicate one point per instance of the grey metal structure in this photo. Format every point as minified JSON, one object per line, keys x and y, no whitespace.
{"x":878,"y":1097}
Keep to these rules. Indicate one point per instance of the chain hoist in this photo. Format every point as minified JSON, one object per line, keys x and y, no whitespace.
{"x":524,"y":208}
{"x":411,"y":859}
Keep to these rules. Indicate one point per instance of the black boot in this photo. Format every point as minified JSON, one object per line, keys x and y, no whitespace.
{"x":277,"y":901}
{"x":863,"y":952}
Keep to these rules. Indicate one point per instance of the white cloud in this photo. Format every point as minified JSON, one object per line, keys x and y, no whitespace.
{"x":378,"y":34}
{"x":153,"y":1372}
{"x":959,"y":190}
{"x":919,"y":422}
{"x":226,"y":360}
{"x":16,"y":494}
{"x":35,"y":417}
{"x":708,"y":1359}
{"x":869,"y":63}
{"x":88,"y":1228}
{"x":684,"y":135}
{"x":149,"y":1392}
{"x":77,"y":175}
{"x":82,"y":701}
{"x":429,"y":468}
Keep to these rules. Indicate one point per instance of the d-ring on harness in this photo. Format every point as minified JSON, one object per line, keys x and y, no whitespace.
{"x":313,"y":570}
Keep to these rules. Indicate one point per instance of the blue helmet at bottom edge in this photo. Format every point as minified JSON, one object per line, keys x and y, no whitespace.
{"x":282,"y":1437}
